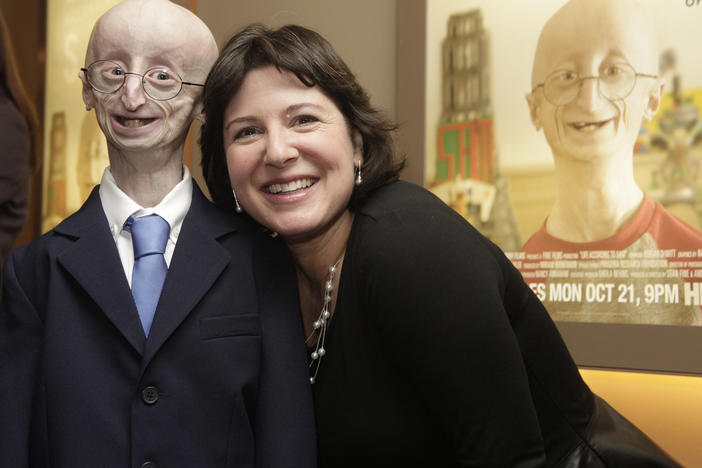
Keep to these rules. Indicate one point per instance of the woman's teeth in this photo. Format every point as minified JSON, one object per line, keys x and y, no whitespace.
{"x":290,"y":186}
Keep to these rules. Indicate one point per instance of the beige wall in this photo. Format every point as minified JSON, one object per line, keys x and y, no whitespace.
{"x":666,"y":407}
{"x":362,"y":31}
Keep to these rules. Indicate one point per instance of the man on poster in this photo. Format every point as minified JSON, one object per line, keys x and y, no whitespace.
{"x":151,"y":328}
{"x":610,"y":249}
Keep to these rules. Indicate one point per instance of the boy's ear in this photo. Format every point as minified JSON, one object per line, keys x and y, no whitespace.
{"x":533,"y":110}
{"x":87,"y":92}
{"x":199,"y":111}
{"x":654,"y":100}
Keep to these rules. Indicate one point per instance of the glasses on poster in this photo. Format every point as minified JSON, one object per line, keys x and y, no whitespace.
{"x":614,"y":82}
{"x":159,"y":83}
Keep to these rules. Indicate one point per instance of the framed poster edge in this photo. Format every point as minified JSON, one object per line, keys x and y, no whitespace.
{"x":632,"y":347}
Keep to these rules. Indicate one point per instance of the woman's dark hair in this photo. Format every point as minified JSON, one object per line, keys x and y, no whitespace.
{"x":12,"y":83}
{"x":315,"y":63}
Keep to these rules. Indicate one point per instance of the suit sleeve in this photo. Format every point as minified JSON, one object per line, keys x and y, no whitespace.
{"x":21,"y":332}
{"x":284,"y":428}
{"x":436,"y":294}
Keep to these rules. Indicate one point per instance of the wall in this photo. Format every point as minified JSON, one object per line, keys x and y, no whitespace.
{"x":362,"y":32}
{"x":666,"y":407}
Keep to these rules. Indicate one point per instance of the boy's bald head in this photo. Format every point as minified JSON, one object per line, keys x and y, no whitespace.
{"x":579,"y":24}
{"x":597,"y":60}
{"x":154,"y":23}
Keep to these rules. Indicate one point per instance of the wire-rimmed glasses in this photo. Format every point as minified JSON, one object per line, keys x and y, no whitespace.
{"x":159,"y":83}
{"x":614,"y":82}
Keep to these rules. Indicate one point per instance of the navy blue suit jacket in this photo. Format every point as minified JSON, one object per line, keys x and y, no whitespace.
{"x":221,"y":380}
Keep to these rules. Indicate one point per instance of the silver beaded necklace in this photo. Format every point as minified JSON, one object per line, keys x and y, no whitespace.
{"x":320,"y":325}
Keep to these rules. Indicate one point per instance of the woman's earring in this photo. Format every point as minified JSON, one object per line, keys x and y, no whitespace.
{"x":359,"y":179}
{"x":237,"y":207}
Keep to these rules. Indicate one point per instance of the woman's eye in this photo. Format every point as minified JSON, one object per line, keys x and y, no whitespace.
{"x":305,"y":119}
{"x":246,"y":132}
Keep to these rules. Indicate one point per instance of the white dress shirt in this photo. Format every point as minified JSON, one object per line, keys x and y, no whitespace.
{"x":118,"y":207}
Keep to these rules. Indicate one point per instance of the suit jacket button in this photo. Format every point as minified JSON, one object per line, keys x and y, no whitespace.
{"x":150,"y":396}
{"x":148,"y":464}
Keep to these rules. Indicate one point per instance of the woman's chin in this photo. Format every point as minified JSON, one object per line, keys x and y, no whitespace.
{"x":291,"y":234}
{"x":289,"y":228}
{"x":302,"y":225}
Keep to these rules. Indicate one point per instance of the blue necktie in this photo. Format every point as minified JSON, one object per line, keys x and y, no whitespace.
{"x":149,"y":237}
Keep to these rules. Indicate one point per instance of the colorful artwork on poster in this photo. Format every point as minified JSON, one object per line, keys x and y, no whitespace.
{"x":465,"y":151}
{"x":465,"y":175}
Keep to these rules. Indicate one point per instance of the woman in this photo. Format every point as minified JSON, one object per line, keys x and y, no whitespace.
{"x":426,"y":347}
{"x":19,"y":128}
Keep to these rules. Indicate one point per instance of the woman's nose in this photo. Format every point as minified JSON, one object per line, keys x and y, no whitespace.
{"x":280,"y":148}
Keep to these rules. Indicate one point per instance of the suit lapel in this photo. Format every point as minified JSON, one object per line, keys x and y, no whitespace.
{"x":198,"y":260}
{"x":94,"y":262}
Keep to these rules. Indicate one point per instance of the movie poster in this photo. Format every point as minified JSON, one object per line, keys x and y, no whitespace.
{"x":589,"y":175}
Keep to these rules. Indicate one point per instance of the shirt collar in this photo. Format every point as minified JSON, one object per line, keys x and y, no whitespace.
{"x":118,"y":206}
